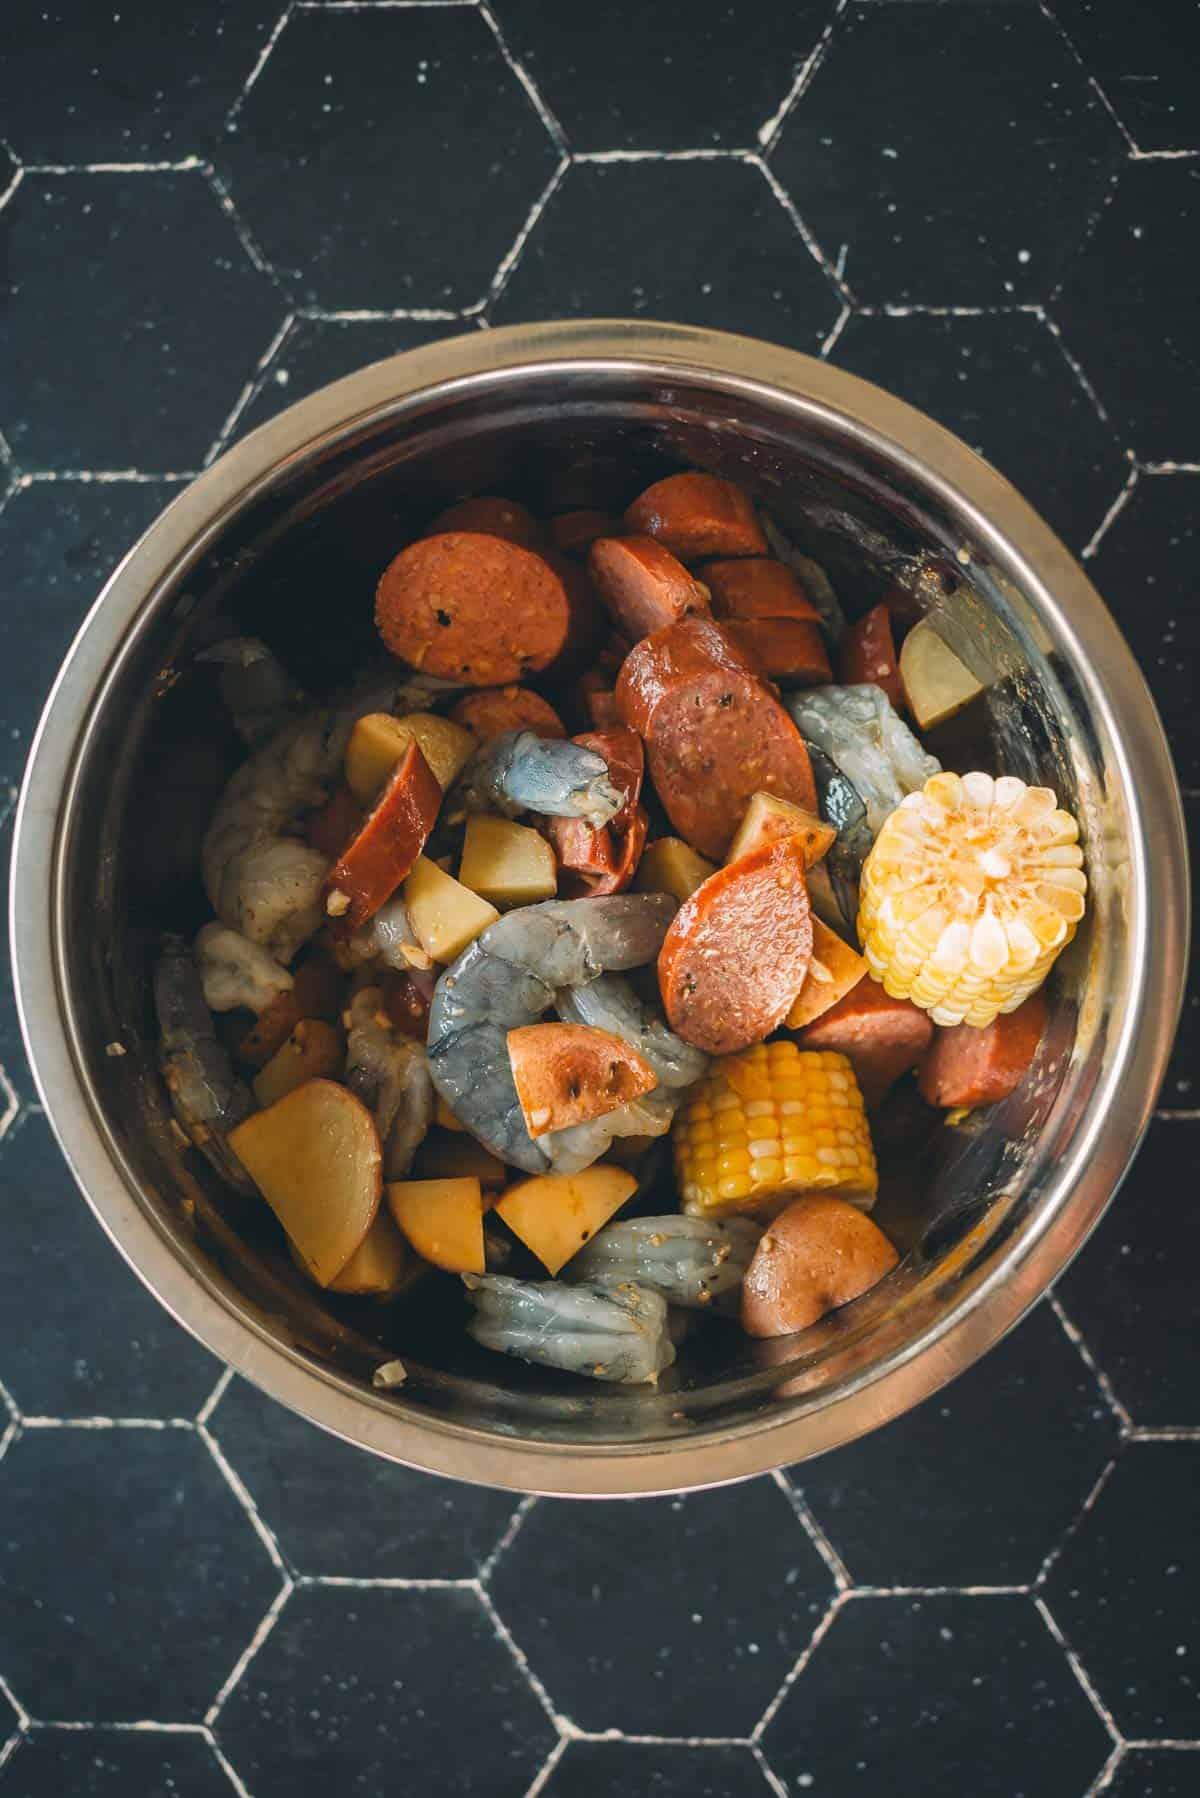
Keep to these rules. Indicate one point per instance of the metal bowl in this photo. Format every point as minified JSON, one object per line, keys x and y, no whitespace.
{"x":284,"y":537}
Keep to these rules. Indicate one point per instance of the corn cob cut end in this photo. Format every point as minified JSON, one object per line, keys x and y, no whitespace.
{"x":971,"y":891}
{"x":771,"y":1123}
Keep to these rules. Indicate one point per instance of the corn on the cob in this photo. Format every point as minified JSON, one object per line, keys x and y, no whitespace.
{"x":972,"y":888}
{"x":767,"y":1124}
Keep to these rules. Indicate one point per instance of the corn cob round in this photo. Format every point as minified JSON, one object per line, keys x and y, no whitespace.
{"x":767,"y":1124}
{"x":972,"y":888}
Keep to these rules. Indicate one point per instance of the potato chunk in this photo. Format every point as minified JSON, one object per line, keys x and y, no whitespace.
{"x":314,"y":1051}
{"x":671,"y":866}
{"x":507,"y":863}
{"x":767,"y":818}
{"x":378,"y":741}
{"x":445,"y":914}
{"x":555,"y":1214}
{"x":834,"y":968}
{"x":936,"y":683}
{"x":442,"y":1220}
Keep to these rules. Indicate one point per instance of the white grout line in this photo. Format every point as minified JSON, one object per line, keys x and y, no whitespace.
{"x":248,"y":1653}
{"x":107,"y":1423}
{"x":215,"y":1396}
{"x":543,"y":1774}
{"x":22,"y":1715}
{"x":513,"y":254}
{"x":718,"y":153}
{"x":641,"y":1739}
{"x":1174,"y":1744}
{"x":9,"y":1748}
{"x":252,"y":387}
{"x":374,"y":5}
{"x":9,"y":1103}
{"x":511,"y":1529}
{"x":1072,"y":1528}
{"x":1170,"y":467}
{"x":241,"y":1492}
{"x":768,"y":133}
{"x":1103,"y":1780}
{"x":385,"y":1583}
{"x":840,"y":323}
{"x":768,"y":1772}
{"x":940,"y":1591}
{"x":1075,"y":1337}
{"x":376,"y":315}
{"x":103,"y":476}
{"x":814,"y":1642}
{"x":139,"y":1726}
{"x":1078,"y":1669}
{"x":260,"y":63}
{"x":225,"y":201}
{"x":557,"y":135}
{"x":812,"y":1529}
{"x":814,"y":249}
{"x":1074,"y":364}
{"x":8,"y":1435}
{"x":1187,"y":1114}
{"x":12,"y":187}
{"x":228,"y":1769}
{"x":185,"y":165}
{"x":905,"y":309}
{"x":1110,"y":517}
{"x":1183,"y":1432}
{"x":1099,"y":92}
{"x":563,"y":1724}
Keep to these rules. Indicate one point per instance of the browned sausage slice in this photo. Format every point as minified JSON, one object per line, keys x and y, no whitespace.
{"x":757,"y":587}
{"x":495,"y":710}
{"x":738,"y":950}
{"x":883,"y":1037}
{"x":698,"y":516}
{"x":494,"y":517}
{"x":369,"y":869}
{"x":970,"y":1067}
{"x":868,"y":655}
{"x":714,"y":731}
{"x":790,"y":650}
{"x":643,"y":585}
{"x":574,"y":532}
{"x":475,"y":608}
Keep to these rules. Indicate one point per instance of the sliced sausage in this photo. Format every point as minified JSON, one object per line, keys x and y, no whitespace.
{"x":757,"y":587}
{"x":738,"y":950}
{"x":494,"y":517}
{"x":574,"y":532}
{"x":625,"y":849}
{"x":605,"y":859}
{"x":715,"y":733}
{"x":642,"y":584}
{"x":868,"y":654}
{"x":698,"y":516}
{"x":599,"y":701}
{"x":333,"y":824}
{"x":495,"y":710}
{"x":475,"y":608}
{"x":790,"y":650}
{"x":883,"y":1037}
{"x":367,"y":873}
{"x":970,"y":1067}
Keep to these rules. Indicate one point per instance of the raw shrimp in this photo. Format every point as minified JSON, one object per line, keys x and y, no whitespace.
{"x":388,"y":937}
{"x":857,"y":728}
{"x":509,"y":976}
{"x":258,"y":691}
{"x":841,"y":805}
{"x":206,"y":1096}
{"x":692,"y":1262}
{"x":390,"y":1075}
{"x":236,"y":972}
{"x":615,"y":1333}
{"x":522,"y":772}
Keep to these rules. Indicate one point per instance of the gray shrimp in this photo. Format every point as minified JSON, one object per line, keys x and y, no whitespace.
{"x":390,"y":1074}
{"x":522,"y":772}
{"x":259,"y":693}
{"x":692,"y":1262}
{"x":617,"y":1333}
{"x":842,"y":806}
{"x":236,"y":972}
{"x":857,"y":729}
{"x":206,"y":1096}
{"x":388,"y":937}
{"x":516,"y":970}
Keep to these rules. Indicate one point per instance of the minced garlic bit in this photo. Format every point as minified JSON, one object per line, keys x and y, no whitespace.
{"x":338,"y":903}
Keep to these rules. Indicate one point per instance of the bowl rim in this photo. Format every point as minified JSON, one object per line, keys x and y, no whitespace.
{"x":1116,"y":1114}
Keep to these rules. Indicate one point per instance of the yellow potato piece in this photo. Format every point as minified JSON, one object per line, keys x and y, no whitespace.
{"x":458,"y":1156}
{"x":671,"y":866}
{"x":936,"y":683}
{"x":314,"y":1156}
{"x":555,"y":1214}
{"x":445,"y":914}
{"x":314,"y":1051}
{"x":834,"y":968}
{"x":767,"y":818}
{"x":378,"y":741}
{"x":507,"y":863}
{"x":381,"y":1264}
{"x":442,"y":1220}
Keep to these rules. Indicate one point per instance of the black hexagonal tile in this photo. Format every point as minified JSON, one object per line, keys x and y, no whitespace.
{"x":1131,"y":1293}
{"x":667,"y":1616}
{"x":871,"y":154}
{"x":12,"y":1050}
{"x":655,"y":1770}
{"x":9,"y":1720}
{"x":996,"y":379}
{"x":1126,"y":1591}
{"x":130,"y":81}
{"x":1145,"y":569}
{"x":703,"y":243}
{"x":940,"y":1498}
{"x":124,"y":294}
{"x":373,"y":1690}
{"x":1179,"y":1087}
{"x":1147,"y":74}
{"x":965,"y":1694}
{"x":79,"y":1335}
{"x":678,"y":76}
{"x":109,"y":1763}
{"x":336,"y":1510}
{"x":1128,"y":309}
{"x":130,"y":1577}
{"x":1157,"y":1773}
{"x":317,"y":351}
{"x":59,"y":541}
{"x":387,"y":157}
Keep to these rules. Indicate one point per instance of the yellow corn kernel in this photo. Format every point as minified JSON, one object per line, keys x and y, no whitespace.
{"x":803,"y":1130}
{"x":973,"y":887}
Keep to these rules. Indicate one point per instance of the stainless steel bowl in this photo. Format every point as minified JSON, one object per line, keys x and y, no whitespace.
{"x":285,"y":537}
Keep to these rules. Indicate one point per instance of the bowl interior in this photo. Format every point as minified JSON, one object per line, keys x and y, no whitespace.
{"x":296,"y":562}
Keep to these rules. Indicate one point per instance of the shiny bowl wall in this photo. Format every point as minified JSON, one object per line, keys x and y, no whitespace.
{"x":284,"y":538}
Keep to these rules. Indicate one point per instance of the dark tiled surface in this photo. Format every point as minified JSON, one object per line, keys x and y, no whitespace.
{"x":149,"y":320}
